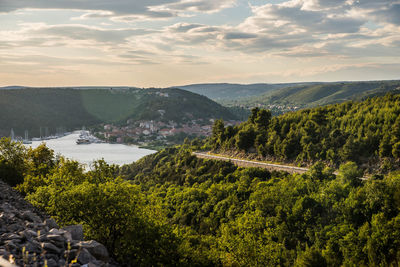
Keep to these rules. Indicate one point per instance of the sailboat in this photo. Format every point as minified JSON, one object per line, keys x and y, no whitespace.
{"x":26,"y":140}
{"x":12,"y":134}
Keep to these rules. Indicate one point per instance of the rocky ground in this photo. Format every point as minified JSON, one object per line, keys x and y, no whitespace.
{"x":30,"y":238}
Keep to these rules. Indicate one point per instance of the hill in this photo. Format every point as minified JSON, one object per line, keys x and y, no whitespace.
{"x":366,"y":132}
{"x":32,"y":108}
{"x":311,"y":95}
{"x":229,"y":91}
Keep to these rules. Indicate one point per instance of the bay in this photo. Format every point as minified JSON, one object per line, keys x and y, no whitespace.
{"x":112,"y":153}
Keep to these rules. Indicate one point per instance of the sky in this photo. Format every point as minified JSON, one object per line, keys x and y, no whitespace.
{"x":161,"y":43}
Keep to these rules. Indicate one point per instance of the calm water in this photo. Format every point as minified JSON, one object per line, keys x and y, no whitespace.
{"x":111,"y":153}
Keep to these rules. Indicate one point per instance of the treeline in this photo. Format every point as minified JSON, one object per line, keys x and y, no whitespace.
{"x":366,"y":132}
{"x":173,"y":209}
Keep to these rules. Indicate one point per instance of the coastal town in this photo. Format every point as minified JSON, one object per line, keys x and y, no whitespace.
{"x":145,"y":132}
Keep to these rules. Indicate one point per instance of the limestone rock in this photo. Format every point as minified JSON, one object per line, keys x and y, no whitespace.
{"x":76,"y":231}
{"x":98,"y":250}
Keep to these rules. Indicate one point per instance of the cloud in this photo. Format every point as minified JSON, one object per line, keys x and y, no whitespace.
{"x":122,"y":9}
{"x":239,"y":35}
{"x":198,"y":5}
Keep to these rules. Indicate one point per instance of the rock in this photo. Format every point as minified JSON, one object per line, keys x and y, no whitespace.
{"x":70,"y":255}
{"x":11,"y":246}
{"x":43,"y":238}
{"x":30,"y":216}
{"x":51,"y":248}
{"x":51,"y":223}
{"x":29,"y":240}
{"x":10,"y":236}
{"x":32,"y":247}
{"x":61,"y":262}
{"x":84,"y":256}
{"x":68,"y":236}
{"x":28,"y":234}
{"x":96,"y":263}
{"x":15,"y":227}
{"x":98,"y":250}
{"x":57,"y":240}
{"x":55,"y":231}
{"x":52,"y":263}
{"x":76,"y":231}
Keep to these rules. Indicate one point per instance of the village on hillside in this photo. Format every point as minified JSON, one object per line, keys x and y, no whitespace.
{"x":145,"y":132}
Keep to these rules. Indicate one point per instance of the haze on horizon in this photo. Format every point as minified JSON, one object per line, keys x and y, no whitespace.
{"x":158,"y":43}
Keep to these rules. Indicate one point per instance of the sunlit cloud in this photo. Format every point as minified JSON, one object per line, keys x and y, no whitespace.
{"x":166,"y":40}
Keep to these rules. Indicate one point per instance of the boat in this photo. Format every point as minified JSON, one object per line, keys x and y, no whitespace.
{"x":26,"y":141}
{"x":83,"y":141}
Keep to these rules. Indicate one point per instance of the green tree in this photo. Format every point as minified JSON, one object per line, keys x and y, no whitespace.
{"x":350,"y":173}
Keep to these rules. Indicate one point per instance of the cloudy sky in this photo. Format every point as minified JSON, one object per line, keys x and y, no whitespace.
{"x":174,"y":42}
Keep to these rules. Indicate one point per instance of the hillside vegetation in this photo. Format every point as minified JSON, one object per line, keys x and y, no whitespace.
{"x":32,"y":108}
{"x":174,"y":209}
{"x":367,"y":132}
{"x":310,"y":95}
{"x":228,"y":91}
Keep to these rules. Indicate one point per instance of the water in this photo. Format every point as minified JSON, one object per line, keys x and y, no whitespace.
{"x":111,"y":153}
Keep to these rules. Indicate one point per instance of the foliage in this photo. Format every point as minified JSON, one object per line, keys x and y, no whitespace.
{"x":172,"y":208}
{"x":251,"y":217}
{"x":364,"y":132}
{"x":12,"y":161}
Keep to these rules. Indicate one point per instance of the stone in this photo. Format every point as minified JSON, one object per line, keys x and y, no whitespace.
{"x":30,"y":216}
{"x":11,"y":246}
{"x":70,"y":255}
{"x":28,"y":234}
{"x":76,"y":231}
{"x":52,"y":263}
{"x":32,"y":247}
{"x":57,"y":240}
{"x":43,"y":238}
{"x":96,"y":263}
{"x":51,"y":223}
{"x":61,"y":262}
{"x":84,"y":256}
{"x":98,"y":250}
{"x":11,"y":236}
{"x":68,"y":236}
{"x":15,"y":227}
{"x":55,"y":231}
{"x":51,"y":248}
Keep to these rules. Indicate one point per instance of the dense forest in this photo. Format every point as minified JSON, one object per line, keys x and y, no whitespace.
{"x":173,"y":209}
{"x":365,"y":132}
{"x":51,"y":108}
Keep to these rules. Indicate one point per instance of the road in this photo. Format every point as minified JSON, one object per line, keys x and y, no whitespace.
{"x":250,"y":163}
{"x":259,"y":164}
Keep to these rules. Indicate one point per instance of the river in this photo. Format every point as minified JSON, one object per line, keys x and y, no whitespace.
{"x":112,"y":153}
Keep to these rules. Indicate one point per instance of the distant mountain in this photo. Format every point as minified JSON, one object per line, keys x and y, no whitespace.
{"x":228,"y":91}
{"x":30,"y":109}
{"x":11,"y":87}
{"x":310,"y":95}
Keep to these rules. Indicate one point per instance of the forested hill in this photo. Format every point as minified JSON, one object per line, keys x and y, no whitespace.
{"x":32,"y":108}
{"x":230,"y":91}
{"x":310,"y":95}
{"x":366,"y":132}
